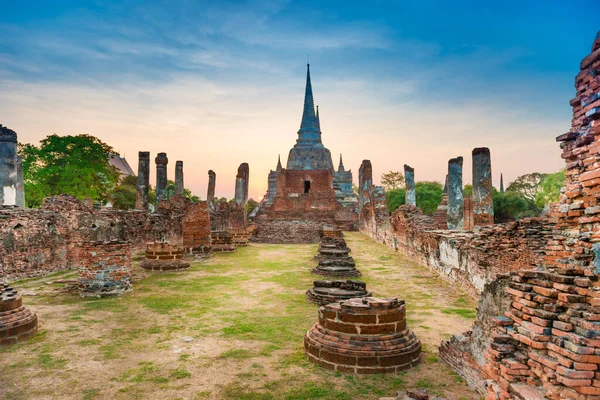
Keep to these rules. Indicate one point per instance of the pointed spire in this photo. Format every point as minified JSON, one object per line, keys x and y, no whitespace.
{"x":279,"y":167}
{"x":341,"y":166}
{"x":308,"y":115}
{"x":318,"y":121}
{"x":501,"y":184}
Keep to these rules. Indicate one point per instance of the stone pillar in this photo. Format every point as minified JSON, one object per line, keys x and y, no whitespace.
{"x":483,"y":199}
{"x":161,"y":161}
{"x":212,"y":181}
{"x":365,"y":180}
{"x":179,"y":178}
{"x":501,"y":184}
{"x":8,"y":167}
{"x":455,"y":194}
{"x":409,"y":179}
{"x":241,"y":185}
{"x":20,"y":183}
{"x":143,"y":180}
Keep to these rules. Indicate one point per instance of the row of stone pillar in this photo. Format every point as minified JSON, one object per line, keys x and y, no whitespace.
{"x":482,"y":197}
{"x":143,"y":183}
{"x":11,"y":170}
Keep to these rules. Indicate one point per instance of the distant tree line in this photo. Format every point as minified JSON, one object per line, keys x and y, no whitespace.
{"x":527,"y":196}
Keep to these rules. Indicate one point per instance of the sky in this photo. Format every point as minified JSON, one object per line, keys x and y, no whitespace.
{"x":218,"y":83}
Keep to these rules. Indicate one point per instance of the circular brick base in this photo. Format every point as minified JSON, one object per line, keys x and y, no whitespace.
{"x":337,"y":268}
{"x":17,"y":323}
{"x":363,"y":336}
{"x":325,"y":292}
{"x":165,"y":265}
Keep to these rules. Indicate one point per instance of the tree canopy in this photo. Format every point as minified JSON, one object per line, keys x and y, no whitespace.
{"x":550,"y":189}
{"x":429,"y":195}
{"x":75,"y":165}
{"x":392,"y":180}
{"x":527,"y":185}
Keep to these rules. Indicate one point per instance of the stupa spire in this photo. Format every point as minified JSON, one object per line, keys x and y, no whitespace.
{"x":341,"y":166}
{"x":279,"y":167}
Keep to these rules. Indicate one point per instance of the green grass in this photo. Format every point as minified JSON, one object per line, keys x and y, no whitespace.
{"x":238,"y":354}
{"x":463,"y":312}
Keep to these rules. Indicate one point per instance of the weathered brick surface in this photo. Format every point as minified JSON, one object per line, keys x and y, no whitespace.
{"x":196,"y":230}
{"x":17,"y":323}
{"x":39,"y":241}
{"x":363,"y":336}
{"x":546,"y":342}
{"x":222,"y":242}
{"x":327,"y":291}
{"x":104,"y":268}
{"x":333,"y":256}
{"x":164,"y":257}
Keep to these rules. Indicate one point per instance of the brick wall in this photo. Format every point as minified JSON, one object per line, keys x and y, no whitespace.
{"x":40,"y":241}
{"x":104,"y":268}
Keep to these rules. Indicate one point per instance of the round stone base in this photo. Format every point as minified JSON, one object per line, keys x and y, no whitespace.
{"x":326,"y":291}
{"x":17,"y":323}
{"x":363,"y":336}
{"x":165,"y":265}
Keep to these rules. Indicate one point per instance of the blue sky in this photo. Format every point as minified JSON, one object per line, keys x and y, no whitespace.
{"x":219,"y":83}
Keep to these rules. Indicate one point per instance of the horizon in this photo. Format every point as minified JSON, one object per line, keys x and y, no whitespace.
{"x":222,"y":83}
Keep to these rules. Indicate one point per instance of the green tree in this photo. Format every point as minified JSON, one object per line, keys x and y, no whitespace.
{"x":510,"y":206}
{"x":550,"y":189}
{"x":75,"y":165}
{"x":392,"y":180}
{"x":251,"y":205}
{"x":124,"y":195}
{"x":187,"y":193}
{"x":527,"y":185}
{"x":467,"y":190}
{"x":429,"y":195}
{"x":395,"y":198}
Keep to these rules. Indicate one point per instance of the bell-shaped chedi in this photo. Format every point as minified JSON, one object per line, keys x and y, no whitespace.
{"x":363,"y":336}
{"x":17,"y":323}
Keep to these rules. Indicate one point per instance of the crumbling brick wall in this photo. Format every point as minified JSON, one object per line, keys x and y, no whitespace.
{"x":546,"y":338}
{"x":40,"y":241}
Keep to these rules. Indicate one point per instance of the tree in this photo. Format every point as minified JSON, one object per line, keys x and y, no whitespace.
{"x":467,"y":190}
{"x":429,"y":195}
{"x":187,"y":193}
{"x":527,"y":186}
{"x":75,"y":165}
{"x":392,"y":180}
{"x":251,"y":205}
{"x":123,"y":196}
{"x":510,"y":206}
{"x":395,"y":198}
{"x":550,"y":189}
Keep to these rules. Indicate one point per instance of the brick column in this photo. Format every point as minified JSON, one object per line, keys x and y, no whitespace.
{"x":483,"y":196}
{"x":409,"y":179}
{"x":455,"y":194}
{"x":143,"y":181}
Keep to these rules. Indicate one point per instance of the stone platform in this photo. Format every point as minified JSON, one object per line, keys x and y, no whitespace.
{"x":342,"y":267}
{"x":222,"y":242}
{"x":363,"y":336}
{"x":164,"y":257}
{"x":326,"y":291}
{"x":17,"y":323}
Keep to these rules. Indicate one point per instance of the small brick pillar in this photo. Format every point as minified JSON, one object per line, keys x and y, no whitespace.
{"x":363,"y":336}
{"x":104,"y":268}
{"x":241,"y":189}
{"x":455,"y":194}
{"x":409,"y":179}
{"x":143,"y":181}
{"x":161,"y":161}
{"x":483,"y":195}
{"x":17,"y":323}
{"x":196,"y":230}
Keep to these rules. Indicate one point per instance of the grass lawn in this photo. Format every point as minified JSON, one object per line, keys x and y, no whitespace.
{"x":229,"y":328}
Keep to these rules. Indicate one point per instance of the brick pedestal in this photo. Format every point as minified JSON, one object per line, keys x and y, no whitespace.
{"x":164,"y":257}
{"x":104,"y":268}
{"x":363,"y":336}
{"x":325,"y":292}
{"x":222,"y":242}
{"x":17,"y":323}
